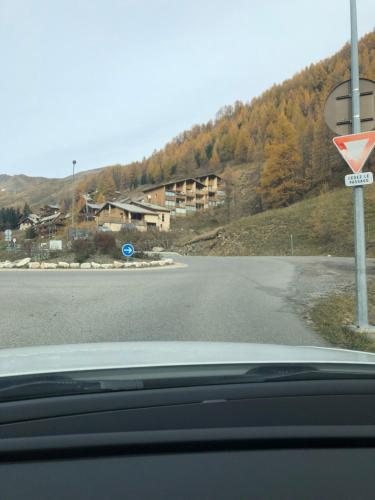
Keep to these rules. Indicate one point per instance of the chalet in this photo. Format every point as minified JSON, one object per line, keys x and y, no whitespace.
{"x":188,"y":196}
{"x":30,"y":220}
{"x":116,"y":216}
{"x":89,"y":210}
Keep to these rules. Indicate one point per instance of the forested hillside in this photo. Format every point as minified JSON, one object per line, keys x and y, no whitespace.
{"x":279,"y":138}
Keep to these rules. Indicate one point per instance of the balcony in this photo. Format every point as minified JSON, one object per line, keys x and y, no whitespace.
{"x":112,"y":220}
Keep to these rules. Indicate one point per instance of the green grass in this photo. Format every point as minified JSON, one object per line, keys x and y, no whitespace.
{"x":319,"y":226}
{"x":333,"y":315}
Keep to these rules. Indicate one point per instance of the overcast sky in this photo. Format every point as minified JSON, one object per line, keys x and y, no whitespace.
{"x":109,"y":81}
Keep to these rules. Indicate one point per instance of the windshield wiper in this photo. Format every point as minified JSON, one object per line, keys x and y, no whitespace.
{"x":48,"y":385}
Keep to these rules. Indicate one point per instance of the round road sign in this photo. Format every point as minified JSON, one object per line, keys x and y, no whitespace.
{"x":127,"y":250}
{"x":338,"y":107}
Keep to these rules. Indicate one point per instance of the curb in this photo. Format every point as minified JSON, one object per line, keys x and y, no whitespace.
{"x":175,"y":265}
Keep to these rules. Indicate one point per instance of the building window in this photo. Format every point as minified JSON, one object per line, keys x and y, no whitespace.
{"x":162,"y":218}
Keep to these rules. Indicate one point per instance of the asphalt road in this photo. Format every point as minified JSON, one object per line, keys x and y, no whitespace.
{"x":213,"y":298}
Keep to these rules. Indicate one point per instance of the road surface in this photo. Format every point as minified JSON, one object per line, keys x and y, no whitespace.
{"x":213,"y":298}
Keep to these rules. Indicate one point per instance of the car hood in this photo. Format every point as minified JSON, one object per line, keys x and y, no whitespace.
{"x":98,"y":356}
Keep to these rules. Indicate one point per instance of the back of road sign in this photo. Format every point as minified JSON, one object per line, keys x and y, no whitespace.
{"x":355,"y":148}
{"x":338,"y":107}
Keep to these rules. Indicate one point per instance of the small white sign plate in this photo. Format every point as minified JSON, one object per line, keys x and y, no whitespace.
{"x":360,"y":179}
{"x":55,"y":245}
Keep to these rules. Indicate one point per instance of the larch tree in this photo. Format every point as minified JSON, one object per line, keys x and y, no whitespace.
{"x":282,"y":182}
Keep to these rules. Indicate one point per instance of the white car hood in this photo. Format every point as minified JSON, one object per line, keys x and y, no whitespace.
{"x":97,"y":356}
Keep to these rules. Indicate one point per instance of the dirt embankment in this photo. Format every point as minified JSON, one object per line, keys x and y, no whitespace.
{"x":324,"y":294}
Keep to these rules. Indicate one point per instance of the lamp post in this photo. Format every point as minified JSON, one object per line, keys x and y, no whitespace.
{"x":74,"y":164}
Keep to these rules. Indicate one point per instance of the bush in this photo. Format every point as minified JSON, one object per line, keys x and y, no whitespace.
{"x":82,"y":250}
{"x":30,"y":233}
{"x":105,"y":243}
{"x":144,"y":242}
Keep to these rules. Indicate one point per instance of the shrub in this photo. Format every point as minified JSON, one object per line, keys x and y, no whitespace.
{"x":30,"y":233}
{"x":82,"y":249}
{"x":144,"y":242}
{"x":105,"y":243}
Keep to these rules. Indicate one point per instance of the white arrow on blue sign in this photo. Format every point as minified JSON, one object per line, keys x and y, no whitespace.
{"x":127,"y":250}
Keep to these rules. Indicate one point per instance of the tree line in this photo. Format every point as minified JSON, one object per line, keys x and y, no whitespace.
{"x":280,"y":136}
{"x":10,"y":217}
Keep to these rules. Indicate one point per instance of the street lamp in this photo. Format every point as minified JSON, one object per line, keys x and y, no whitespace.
{"x":74,"y":164}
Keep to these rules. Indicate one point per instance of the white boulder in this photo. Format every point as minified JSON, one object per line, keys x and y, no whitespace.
{"x":34,"y":265}
{"x":8,"y":264}
{"x":48,"y":265}
{"x":128,"y":265}
{"x":74,"y":265}
{"x":95,"y":265}
{"x":107,"y":266}
{"x":22,"y":262}
{"x":63,"y":265}
{"x":86,"y":265}
{"x":117,"y":264}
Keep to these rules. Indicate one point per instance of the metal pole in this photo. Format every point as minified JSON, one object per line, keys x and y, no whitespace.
{"x":74,"y":164}
{"x":291,"y":245}
{"x":359,"y":222}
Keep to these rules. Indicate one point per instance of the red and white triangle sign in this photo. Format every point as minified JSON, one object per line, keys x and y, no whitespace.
{"x":355,"y":148}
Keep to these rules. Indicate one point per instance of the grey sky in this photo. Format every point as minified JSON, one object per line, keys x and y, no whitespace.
{"x":109,"y":81}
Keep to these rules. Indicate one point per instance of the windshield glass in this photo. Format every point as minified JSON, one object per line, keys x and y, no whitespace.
{"x":193,"y":178}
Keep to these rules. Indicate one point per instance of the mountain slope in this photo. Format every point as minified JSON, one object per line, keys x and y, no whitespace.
{"x":15,"y":190}
{"x":317,"y":226}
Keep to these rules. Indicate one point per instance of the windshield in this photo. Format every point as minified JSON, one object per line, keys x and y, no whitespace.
{"x":185,"y":183}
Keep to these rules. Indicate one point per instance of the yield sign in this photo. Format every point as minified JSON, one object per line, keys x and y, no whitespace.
{"x":355,"y":148}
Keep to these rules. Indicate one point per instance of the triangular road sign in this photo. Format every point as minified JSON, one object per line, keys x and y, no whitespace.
{"x":355,"y":148}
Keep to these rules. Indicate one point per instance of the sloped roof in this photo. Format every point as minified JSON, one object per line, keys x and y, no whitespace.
{"x":150,"y":206}
{"x":95,"y":206}
{"x":50,"y":218}
{"x":129,"y":208}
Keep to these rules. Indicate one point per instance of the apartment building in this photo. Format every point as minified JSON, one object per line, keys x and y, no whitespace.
{"x":188,"y":196}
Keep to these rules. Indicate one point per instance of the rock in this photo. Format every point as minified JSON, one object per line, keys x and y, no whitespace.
{"x":63,"y":265}
{"x":106,"y":266}
{"x":95,"y":265}
{"x":86,"y":265}
{"x":22,"y":262}
{"x":168,"y":262}
{"x":155,"y":263}
{"x":8,"y":265}
{"x":74,"y":265}
{"x":117,"y":264}
{"x":157,"y":249}
{"x":128,"y":265}
{"x":162,"y":263}
{"x":34,"y":265}
{"x":48,"y":265}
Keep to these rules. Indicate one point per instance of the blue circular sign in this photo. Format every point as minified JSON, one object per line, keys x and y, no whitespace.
{"x":127,"y":250}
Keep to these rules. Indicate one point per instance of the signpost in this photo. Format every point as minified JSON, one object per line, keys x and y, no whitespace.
{"x":350,"y":107}
{"x":127,"y":250}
